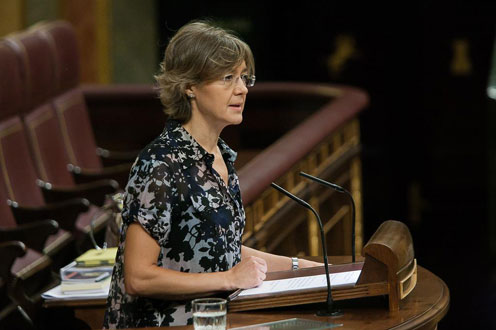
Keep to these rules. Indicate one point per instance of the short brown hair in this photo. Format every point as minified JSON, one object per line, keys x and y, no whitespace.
{"x":199,"y":52}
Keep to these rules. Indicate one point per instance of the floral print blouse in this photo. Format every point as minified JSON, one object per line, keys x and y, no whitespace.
{"x":183,"y":203}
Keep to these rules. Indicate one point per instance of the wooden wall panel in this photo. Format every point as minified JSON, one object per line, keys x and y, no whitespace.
{"x":91,"y":20}
{"x":11,"y":16}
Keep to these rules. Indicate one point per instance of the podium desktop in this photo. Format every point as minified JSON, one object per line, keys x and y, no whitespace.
{"x":423,"y":308}
{"x":417,"y":299}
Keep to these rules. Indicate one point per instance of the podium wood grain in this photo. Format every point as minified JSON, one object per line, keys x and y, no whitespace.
{"x":423,"y":308}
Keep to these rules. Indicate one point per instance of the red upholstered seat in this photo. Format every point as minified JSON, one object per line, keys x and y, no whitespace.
{"x":47,"y":145}
{"x":70,"y":106}
{"x":30,"y":82}
{"x":20,"y":295}
{"x":41,"y":237}
{"x":39,"y":139}
{"x":18,"y":183}
{"x":61,"y":39}
{"x":18,"y":175}
{"x":11,"y":98}
{"x":16,"y":164}
{"x":69,"y":101}
{"x":26,"y":265}
{"x":34,"y":57}
{"x":28,"y":272}
{"x":76,"y":128}
{"x":9,"y":309}
{"x":32,"y":259}
{"x":51,"y":159}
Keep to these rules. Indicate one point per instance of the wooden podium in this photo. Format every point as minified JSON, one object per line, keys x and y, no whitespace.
{"x":389,"y":268}
{"x":417,"y":298}
{"x":422,"y":309}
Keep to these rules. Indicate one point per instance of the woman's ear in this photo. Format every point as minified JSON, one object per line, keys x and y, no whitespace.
{"x":190,"y":93}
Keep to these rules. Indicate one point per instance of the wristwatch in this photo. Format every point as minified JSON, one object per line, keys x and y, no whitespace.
{"x":294,"y":261}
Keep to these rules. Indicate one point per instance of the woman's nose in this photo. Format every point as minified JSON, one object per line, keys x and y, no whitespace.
{"x":240,"y":87}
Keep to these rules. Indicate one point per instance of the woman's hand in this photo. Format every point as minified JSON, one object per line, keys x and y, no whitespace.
{"x":249,"y":273}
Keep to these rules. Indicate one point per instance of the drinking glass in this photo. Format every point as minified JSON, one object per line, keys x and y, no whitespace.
{"x":209,"y":313}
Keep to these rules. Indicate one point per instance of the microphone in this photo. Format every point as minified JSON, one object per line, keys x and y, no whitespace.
{"x":343,"y":191}
{"x":331,"y":310}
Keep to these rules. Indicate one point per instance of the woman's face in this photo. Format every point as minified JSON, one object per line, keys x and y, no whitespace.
{"x":220,"y":103}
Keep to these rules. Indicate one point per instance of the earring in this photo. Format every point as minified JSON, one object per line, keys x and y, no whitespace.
{"x":191,"y":96}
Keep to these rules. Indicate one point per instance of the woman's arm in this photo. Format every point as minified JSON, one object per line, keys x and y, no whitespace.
{"x":275,"y":262}
{"x":143,"y":277}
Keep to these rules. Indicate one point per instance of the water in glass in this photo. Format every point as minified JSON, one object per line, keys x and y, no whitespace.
{"x":209,"y":320}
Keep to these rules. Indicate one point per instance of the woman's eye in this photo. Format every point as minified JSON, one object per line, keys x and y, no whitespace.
{"x":228,"y":78}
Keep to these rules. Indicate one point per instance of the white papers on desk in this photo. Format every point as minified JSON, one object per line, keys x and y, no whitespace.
{"x":338,"y":280}
{"x":56,"y":293}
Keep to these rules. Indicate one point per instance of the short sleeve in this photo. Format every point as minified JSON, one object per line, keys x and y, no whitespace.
{"x":149,"y":198}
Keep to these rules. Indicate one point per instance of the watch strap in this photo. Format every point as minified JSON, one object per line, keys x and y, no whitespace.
{"x":294,"y":263}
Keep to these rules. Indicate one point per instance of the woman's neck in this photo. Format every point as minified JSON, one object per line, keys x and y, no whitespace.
{"x":204,"y":134}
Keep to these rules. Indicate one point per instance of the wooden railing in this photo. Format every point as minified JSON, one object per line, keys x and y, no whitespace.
{"x":326,"y":144}
{"x":287,"y":128}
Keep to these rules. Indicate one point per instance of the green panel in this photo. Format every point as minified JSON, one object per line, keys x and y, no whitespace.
{"x":134,"y":41}
{"x":41,"y":10}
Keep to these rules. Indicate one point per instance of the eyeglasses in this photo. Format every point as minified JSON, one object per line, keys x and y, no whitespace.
{"x":230,"y":81}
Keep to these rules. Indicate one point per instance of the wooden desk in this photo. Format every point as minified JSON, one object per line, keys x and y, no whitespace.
{"x":422,"y":309}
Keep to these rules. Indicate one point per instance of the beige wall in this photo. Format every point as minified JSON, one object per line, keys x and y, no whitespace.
{"x":11,"y":16}
{"x":40,"y":10}
{"x":134,"y":40}
{"x":117,"y":38}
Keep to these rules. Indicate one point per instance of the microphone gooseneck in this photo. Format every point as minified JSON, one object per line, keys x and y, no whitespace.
{"x":343,"y":191}
{"x":330,"y":311}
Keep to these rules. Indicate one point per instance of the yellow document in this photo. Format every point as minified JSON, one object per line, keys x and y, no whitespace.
{"x":93,"y":287}
{"x":96,"y":257}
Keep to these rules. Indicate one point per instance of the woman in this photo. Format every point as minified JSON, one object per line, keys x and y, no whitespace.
{"x":183,"y":217}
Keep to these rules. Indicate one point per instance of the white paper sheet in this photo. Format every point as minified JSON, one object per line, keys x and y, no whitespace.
{"x":344,"y":279}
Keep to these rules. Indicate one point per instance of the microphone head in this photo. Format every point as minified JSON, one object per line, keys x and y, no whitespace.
{"x":290,"y":195}
{"x":334,"y":186}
